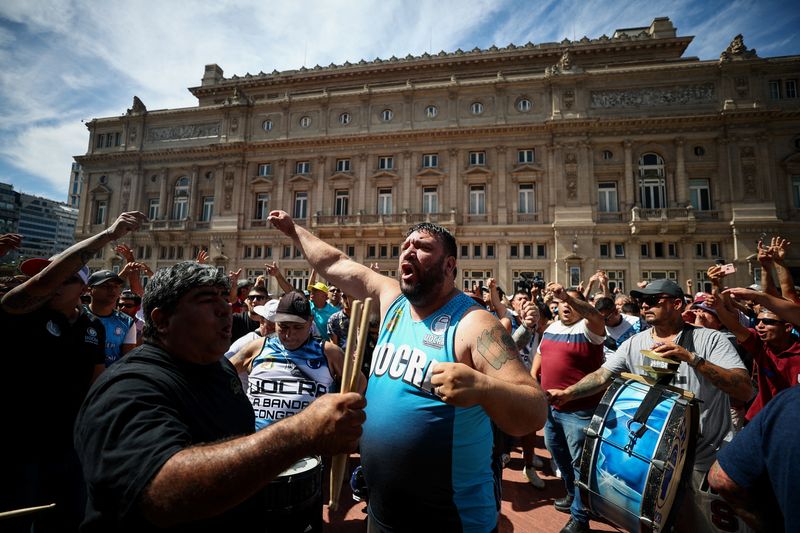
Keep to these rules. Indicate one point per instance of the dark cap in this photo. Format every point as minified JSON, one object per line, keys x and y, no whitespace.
{"x":101,"y":276}
{"x":293,"y":307}
{"x":659,"y":286}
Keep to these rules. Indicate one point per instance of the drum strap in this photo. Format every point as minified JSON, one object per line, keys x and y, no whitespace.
{"x":653,"y":396}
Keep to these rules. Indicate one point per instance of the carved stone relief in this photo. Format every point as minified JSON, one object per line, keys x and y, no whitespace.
{"x":654,"y":96}
{"x":126,"y":192}
{"x":569,"y":98}
{"x":180,"y":133}
{"x":742,"y":87}
{"x":747,"y":157}
{"x":571,"y":173}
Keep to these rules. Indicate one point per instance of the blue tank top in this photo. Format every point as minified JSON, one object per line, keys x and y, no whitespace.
{"x":284,"y":382}
{"x":428,"y":465}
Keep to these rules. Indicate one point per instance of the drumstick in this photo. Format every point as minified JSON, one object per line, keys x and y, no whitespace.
{"x":339,"y":462}
{"x":363,"y":329}
{"x":27,"y":510}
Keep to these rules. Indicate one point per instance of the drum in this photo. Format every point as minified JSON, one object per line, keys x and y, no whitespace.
{"x":630,"y":472}
{"x":294,"y":498}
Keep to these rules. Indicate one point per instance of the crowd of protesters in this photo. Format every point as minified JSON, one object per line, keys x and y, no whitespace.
{"x":179,"y":405}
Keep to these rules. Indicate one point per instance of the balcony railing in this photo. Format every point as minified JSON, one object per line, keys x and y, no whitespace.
{"x":403,"y":218}
{"x":611,"y":216}
{"x":168,"y":225}
{"x":527,"y":218}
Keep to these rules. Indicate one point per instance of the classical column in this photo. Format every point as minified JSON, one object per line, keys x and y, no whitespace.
{"x":319,"y":188}
{"x":502,"y":194}
{"x":362,"y":184}
{"x":279,"y":201}
{"x":586,"y":182}
{"x":193,"y":192}
{"x":405,"y":198}
{"x":681,"y":182}
{"x":218,"y":190}
{"x":163,"y":202}
{"x":765,"y":169}
{"x":630,"y":184}
{"x":454,"y":164}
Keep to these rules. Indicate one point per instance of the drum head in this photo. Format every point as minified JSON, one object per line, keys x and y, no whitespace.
{"x":303,"y":465}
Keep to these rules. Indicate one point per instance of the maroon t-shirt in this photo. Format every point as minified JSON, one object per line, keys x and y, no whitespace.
{"x":569,"y":353}
{"x":775,"y":371}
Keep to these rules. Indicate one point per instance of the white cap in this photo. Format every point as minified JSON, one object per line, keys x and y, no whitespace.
{"x":267,"y":311}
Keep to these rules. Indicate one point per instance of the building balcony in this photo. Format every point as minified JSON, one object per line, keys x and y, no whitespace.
{"x":404,"y":218}
{"x":526,"y":218}
{"x":168,"y":225}
{"x":611,"y":216}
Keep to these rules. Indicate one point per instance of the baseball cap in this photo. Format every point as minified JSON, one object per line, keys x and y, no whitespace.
{"x":31,"y":267}
{"x":242,"y":283}
{"x":267,"y":311}
{"x":293,"y":307}
{"x":101,"y":276}
{"x":319,"y":286}
{"x":699,"y":303}
{"x":659,"y":286}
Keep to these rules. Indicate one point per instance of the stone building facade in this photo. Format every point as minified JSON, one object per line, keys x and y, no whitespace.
{"x":554,"y":159}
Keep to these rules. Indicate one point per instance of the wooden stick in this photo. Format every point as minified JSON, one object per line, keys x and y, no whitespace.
{"x":27,"y":510}
{"x":363,"y":329}
{"x":339,"y":462}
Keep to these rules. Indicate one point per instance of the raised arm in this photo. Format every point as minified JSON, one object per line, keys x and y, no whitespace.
{"x":353,"y":278}
{"x":491,"y":375}
{"x":37,"y":290}
{"x":765,"y":260}
{"x":497,"y":302}
{"x":275,"y":272}
{"x":778,"y":248}
{"x":728,"y":319}
{"x":786,"y":310}
{"x":595,"y":321}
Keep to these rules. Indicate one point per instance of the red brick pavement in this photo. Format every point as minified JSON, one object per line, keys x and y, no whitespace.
{"x":524,"y":508}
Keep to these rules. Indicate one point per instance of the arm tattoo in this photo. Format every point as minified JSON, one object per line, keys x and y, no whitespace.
{"x":591,"y":383}
{"x":496,"y":346}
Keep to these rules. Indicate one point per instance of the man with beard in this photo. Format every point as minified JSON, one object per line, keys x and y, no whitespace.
{"x":713,"y":372}
{"x":442,"y":371}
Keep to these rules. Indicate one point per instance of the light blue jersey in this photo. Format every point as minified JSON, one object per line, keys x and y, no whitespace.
{"x":428,"y":465}
{"x":117,"y":325}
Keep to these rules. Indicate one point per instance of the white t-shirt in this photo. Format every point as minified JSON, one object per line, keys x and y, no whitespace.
{"x":715,"y":418}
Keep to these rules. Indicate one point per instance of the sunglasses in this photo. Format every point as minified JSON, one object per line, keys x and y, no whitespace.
{"x":334,"y":290}
{"x":257,"y":297}
{"x":652,"y":300}
{"x":126,"y":306}
{"x":768,"y":321}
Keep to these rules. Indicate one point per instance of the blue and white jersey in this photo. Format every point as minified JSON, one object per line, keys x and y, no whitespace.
{"x":120,"y":329}
{"x":616,"y":335}
{"x":428,"y":465}
{"x":284,"y":382}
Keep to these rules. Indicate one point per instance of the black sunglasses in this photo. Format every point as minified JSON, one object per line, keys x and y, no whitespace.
{"x":256,"y":297}
{"x":652,"y":300}
{"x":768,"y":321}
{"x":334,"y":290}
{"x":126,"y":305}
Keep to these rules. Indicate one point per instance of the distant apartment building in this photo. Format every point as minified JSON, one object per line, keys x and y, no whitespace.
{"x":75,"y":180}
{"x":552,"y":159}
{"x":9,"y":216}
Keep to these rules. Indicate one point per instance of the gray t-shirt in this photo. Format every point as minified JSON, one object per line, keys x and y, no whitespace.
{"x":715,"y":417}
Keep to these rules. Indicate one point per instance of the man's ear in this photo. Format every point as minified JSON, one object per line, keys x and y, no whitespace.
{"x":450,"y":264}
{"x":160,"y":319}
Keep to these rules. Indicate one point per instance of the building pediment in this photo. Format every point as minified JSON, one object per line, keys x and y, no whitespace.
{"x":384,"y":175}
{"x":527,"y":168}
{"x":299,"y":179}
{"x":478,"y":171}
{"x":430,"y":173}
{"x":261,"y":180}
{"x":342,"y":179}
{"x":100,"y":189}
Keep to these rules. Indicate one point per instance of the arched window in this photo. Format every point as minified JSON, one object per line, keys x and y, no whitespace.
{"x":180,"y":201}
{"x":651,"y":181}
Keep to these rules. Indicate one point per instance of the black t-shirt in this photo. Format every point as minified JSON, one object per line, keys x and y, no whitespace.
{"x":47,"y":368}
{"x":242,"y":325}
{"x":140,"y":412}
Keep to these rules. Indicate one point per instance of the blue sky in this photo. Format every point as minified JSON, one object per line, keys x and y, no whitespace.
{"x":64,"y":61}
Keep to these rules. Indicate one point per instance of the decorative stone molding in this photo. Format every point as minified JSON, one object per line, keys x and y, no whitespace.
{"x":138,"y":108}
{"x":182,"y":133}
{"x":676,"y":95}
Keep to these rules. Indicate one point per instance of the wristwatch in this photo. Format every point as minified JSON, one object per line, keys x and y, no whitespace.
{"x":696,"y":360}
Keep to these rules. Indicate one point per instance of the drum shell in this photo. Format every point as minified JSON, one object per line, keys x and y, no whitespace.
{"x":637,"y":490}
{"x":293,"y":500}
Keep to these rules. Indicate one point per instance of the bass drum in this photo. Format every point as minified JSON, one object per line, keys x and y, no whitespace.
{"x":630,"y":472}
{"x":294,"y":498}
